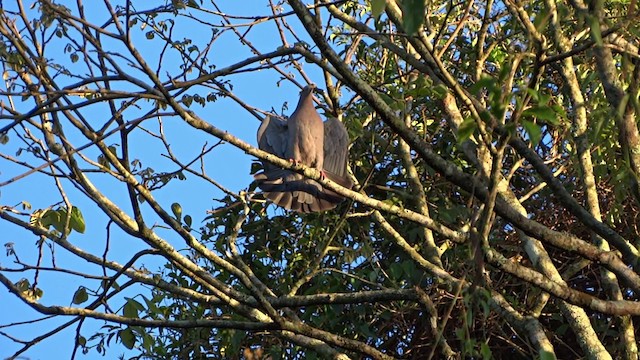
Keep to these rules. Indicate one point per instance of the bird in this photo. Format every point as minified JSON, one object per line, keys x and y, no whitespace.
{"x":304,"y":138}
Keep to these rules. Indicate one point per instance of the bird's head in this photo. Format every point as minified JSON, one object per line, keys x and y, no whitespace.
{"x":308,"y":89}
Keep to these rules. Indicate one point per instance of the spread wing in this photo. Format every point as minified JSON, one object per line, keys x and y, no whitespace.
{"x":336,"y":148}
{"x":273,"y":137}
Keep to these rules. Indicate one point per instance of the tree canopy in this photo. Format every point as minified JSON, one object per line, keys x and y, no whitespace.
{"x":494,"y":149}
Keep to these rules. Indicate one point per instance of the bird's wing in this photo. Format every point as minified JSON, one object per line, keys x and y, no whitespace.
{"x":336,"y":147}
{"x":273,"y":137}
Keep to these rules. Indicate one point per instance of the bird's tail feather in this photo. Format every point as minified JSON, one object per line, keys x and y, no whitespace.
{"x":295,"y":192}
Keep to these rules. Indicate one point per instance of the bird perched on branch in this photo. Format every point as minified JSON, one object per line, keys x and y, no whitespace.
{"x":304,"y":138}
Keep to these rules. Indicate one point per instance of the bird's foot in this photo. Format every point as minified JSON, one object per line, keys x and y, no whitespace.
{"x":323,"y":175}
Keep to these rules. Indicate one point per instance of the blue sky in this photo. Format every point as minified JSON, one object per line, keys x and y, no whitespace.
{"x":225,"y":164}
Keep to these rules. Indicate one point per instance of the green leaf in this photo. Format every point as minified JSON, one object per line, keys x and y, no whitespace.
{"x":45,"y":219}
{"x":150,"y":35}
{"x":4,"y":138}
{"x":177,"y":211}
{"x":23,"y":285}
{"x":127,"y":338}
{"x":105,"y":283}
{"x":545,"y":355}
{"x":412,"y":15}
{"x":102,"y":160}
{"x":130,"y":309}
{"x":77,"y":220}
{"x":561,"y":330}
{"x":193,"y":4}
{"x":80,"y":295}
{"x":53,"y":218}
{"x":485,"y":351}
{"x":187,"y":100}
{"x":543,"y":113}
{"x":541,"y":18}
{"x":373,"y":276}
{"x":497,"y":55}
{"x":377,"y":7}
{"x":596,"y":34}
{"x":395,"y":271}
{"x":533,"y":130}
{"x":466,"y":129}
{"x":408,"y":267}
{"x":153,"y":308}
{"x":34,"y":295}
{"x":440,"y":90}
{"x":485,"y":82}
{"x":535,"y":95}
{"x":188,"y":220}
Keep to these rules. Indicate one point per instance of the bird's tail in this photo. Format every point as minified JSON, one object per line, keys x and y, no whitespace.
{"x":295,"y":192}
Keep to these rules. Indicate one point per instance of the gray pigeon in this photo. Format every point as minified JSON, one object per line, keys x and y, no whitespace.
{"x":305,"y":139}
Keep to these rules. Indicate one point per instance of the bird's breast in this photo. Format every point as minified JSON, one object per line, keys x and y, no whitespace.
{"x":308,"y":141}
